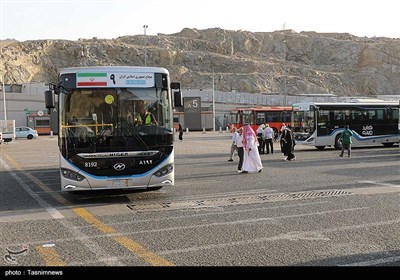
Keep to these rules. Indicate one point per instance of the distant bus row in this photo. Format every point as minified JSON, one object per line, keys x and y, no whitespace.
{"x":321,"y":124}
{"x":313,"y":123}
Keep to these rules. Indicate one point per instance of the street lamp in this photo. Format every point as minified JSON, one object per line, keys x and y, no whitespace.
{"x":145,"y":45}
{"x":213,"y":99}
{"x":284,"y":72}
{"x":4,"y":100}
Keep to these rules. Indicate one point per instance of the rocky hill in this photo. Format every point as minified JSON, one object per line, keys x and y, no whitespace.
{"x":307,"y":62}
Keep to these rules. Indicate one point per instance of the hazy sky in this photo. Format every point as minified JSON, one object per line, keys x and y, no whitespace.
{"x":62,"y":19}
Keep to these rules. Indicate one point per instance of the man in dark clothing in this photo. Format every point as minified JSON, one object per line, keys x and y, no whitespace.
{"x":239,"y":146}
{"x":180,"y":130}
{"x":288,"y":143}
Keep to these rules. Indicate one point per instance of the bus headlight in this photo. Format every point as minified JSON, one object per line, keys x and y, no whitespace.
{"x":164,"y":171}
{"x":72,"y":175}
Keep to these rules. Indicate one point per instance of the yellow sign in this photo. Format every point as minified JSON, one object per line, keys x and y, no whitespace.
{"x":109,"y":99}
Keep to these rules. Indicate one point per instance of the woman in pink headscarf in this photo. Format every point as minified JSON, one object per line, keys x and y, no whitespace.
{"x":251,"y":160}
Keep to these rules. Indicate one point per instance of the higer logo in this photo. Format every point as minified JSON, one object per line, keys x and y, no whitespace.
{"x":119,"y":166}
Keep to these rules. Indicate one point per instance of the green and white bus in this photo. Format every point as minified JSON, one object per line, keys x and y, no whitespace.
{"x":321,"y":124}
{"x":101,"y":144}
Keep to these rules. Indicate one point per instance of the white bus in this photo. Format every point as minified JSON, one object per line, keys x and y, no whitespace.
{"x":321,"y":124}
{"x":102,"y":145}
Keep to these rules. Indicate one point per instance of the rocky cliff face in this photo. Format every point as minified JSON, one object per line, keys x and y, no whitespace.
{"x":306,"y":62}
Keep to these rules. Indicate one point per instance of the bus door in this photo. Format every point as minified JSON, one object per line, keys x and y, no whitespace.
{"x":235,"y":119}
{"x":248,"y":117}
{"x":260,"y":118}
{"x":323,"y":123}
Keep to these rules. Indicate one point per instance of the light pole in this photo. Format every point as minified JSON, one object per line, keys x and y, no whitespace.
{"x":4,"y":100}
{"x":284,"y":72}
{"x":145,"y":45}
{"x":213,"y":99}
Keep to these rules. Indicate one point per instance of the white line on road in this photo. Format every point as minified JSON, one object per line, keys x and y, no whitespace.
{"x":379,"y":183}
{"x":78,"y":235}
{"x":282,"y":236}
{"x":51,"y":210}
{"x":375,"y":262}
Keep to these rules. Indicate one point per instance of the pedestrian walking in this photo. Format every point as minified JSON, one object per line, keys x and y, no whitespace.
{"x":282,"y":139}
{"x":251,"y":159}
{"x":239,"y":146}
{"x":233,"y":146}
{"x":260,"y":138}
{"x":346,"y":141}
{"x":269,"y":138}
{"x":180,"y":130}
{"x":288,"y":143}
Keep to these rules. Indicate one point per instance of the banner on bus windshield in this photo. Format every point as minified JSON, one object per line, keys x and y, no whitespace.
{"x":107,"y":79}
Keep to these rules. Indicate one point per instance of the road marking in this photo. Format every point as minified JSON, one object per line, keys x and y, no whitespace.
{"x":39,"y":183}
{"x":270,"y":220}
{"x":50,"y":256}
{"x":51,"y":210}
{"x":128,"y":243}
{"x":375,"y":262}
{"x":379,"y":184}
{"x":234,"y":200}
{"x":90,"y":245}
{"x":282,"y":236}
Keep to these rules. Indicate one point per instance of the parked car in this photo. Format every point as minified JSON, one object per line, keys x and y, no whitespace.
{"x":25,"y":132}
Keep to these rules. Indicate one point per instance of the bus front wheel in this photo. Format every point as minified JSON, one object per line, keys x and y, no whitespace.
{"x":320,"y":147}
{"x":338,"y":144}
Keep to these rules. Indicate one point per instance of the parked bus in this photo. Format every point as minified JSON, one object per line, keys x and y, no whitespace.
{"x":101,"y":142}
{"x":275,"y":116}
{"x":321,"y":124}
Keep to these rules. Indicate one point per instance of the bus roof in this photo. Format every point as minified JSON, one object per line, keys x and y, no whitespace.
{"x":357,"y":102}
{"x":111,"y":76}
{"x":264,"y":108}
{"x":140,"y":69}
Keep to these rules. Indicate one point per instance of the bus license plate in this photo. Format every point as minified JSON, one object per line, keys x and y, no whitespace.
{"x":119,"y":183}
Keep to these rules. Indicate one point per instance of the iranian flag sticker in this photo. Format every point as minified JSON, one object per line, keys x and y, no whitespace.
{"x":92,"y":79}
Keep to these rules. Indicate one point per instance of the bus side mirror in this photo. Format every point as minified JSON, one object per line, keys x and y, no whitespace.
{"x":177,"y":94}
{"x":178,"y":99}
{"x":49,"y":99}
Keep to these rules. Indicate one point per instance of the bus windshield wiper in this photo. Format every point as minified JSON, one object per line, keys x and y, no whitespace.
{"x":132,"y":132}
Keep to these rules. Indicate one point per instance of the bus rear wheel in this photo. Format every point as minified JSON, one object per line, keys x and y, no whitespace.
{"x":338,"y":144}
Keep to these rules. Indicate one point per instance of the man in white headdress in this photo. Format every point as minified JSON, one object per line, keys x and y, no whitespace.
{"x":251,"y":160}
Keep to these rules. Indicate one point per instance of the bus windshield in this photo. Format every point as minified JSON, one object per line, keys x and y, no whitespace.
{"x":303,"y":124}
{"x":111,"y":119}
